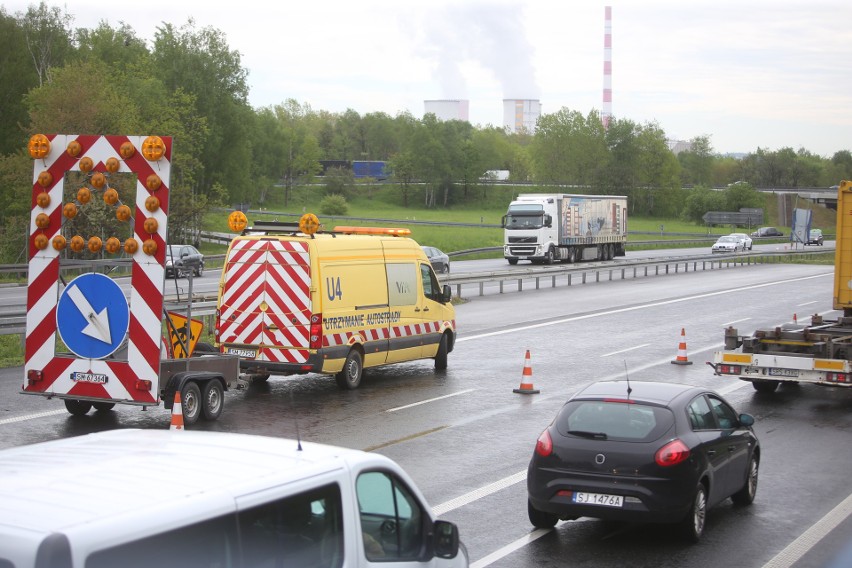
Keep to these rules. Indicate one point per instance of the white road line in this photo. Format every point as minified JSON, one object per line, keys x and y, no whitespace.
{"x":510,"y":548}
{"x":735,"y":321}
{"x":806,"y":303}
{"x":633,"y":308}
{"x":429,"y":400}
{"x":811,"y":537}
{"x":477,"y":494}
{"x":626,"y":350}
{"x":32,"y":416}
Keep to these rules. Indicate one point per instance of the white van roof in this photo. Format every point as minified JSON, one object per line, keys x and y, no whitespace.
{"x":98,"y":481}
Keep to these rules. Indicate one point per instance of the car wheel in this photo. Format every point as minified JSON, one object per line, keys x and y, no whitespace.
{"x":350,"y":377}
{"x":764,"y":386}
{"x":212,"y":400}
{"x":441,"y":356}
{"x":77,"y":407}
{"x":190,"y":403}
{"x":746,"y":495}
{"x":692,"y":525}
{"x":447,"y":268}
{"x":540,"y":519}
{"x":200,"y":271}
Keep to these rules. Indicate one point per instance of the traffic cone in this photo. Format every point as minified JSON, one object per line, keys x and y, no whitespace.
{"x":177,"y":414}
{"x":795,"y":319}
{"x":681,"y":358}
{"x":526,"y":378}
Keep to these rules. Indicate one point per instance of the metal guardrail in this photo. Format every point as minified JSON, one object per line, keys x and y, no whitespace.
{"x":14,"y":321}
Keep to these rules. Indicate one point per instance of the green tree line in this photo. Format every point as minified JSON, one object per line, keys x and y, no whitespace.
{"x":188,"y":83}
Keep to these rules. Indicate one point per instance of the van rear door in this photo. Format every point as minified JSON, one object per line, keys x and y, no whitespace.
{"x":265,"y":305}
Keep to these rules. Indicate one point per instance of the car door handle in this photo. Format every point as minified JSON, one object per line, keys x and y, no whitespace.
{"x":732,"y":449}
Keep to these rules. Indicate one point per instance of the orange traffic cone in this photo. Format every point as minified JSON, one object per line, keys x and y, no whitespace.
{"x":177,"y":414}
{"x":526,"y":379}
{"x":681,"y":358}
{"x":795,"y":319}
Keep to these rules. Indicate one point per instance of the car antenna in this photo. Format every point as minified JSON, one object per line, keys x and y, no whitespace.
{"x":296,"y":421}
{"x":627,"y":376}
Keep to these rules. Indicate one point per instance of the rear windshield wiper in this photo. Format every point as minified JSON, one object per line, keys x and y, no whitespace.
{"x":586,"y":434}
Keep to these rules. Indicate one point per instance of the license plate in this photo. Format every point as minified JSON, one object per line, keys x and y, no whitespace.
{"x":783,"y":372}
{"x":98,"y":378}
{"x":244,"y":353}
{"x":599,"y":499}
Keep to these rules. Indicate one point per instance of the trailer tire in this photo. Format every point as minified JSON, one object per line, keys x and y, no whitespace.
{"x":441,"y":356}
{"x":213,"y":400}
{"x":103,"y":406}
{"x":190,"y":400}
{"x":77,"y":407}
{"x":349,"y":377}
{"x":764,"y":385}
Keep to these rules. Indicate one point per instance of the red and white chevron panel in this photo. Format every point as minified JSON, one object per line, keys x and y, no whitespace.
{"x":267,"y":300}
{"x":144,"y":337}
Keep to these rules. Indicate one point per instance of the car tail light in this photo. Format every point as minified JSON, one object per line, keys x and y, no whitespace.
{"x":544,"y":445}
{"x":316,"y":331}
{"x":671,"y":454}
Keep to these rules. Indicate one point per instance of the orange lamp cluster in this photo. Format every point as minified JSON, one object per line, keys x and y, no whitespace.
{"x":153,"y":149}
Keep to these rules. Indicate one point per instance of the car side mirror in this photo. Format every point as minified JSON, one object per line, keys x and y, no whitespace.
{"x":746,"y":420}
{"x":445,"y":539}
{"x":446,"y":294}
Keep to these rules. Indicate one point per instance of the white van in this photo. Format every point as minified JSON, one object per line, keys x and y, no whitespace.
{"x":145,"y":498}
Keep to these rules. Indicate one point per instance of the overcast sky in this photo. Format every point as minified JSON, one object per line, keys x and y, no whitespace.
{"x":749,"y":73}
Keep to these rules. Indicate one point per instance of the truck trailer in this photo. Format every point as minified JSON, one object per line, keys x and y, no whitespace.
{"x":544,"y":228}
{"x":819,"y":352}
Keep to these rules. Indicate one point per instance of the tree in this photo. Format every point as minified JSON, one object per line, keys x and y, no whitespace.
{"x":47,"y":34}
{"x":697,"y":162}
{"x":301,"y":151}
{"x":17,"y":76}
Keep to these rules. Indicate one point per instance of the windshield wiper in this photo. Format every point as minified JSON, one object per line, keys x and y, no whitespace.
{"x":586,"y":434}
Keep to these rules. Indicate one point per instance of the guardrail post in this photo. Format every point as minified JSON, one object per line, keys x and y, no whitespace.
{"x":521,"y":284}
{"x":482,"y":288}
{"x":584,"y":278}
{"x":553,"y":282}
{"x":501,"y":286}
{"x":569,"y":278}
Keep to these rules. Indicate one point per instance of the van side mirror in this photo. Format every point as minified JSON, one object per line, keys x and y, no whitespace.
{"x":446,"y":294}
{"x":445,"y":539}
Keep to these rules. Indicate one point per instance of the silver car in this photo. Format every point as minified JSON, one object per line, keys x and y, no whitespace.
{"x":728,"y":243}
{"x":747,"y":242}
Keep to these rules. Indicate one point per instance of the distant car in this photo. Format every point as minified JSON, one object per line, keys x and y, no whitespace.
{"x":815,"y":237}
{"x":747,"y":242}
{"x":183,"y":259}
{"x":728,"y":243}
{"x":767,"y":232}
{"x":642,"y":452}
{"x":439,"y":260}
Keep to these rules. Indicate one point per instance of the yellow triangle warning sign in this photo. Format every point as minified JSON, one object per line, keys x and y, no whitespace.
{"x":183,"y":343}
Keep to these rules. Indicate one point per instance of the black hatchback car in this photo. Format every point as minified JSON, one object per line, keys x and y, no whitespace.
{"x":642,"y":452}
{"x":183,"y":259}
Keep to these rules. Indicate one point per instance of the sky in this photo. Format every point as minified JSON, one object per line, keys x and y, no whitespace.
{"x":748,"y":74}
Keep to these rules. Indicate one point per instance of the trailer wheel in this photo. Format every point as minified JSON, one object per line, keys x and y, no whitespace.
{"x":77,"y":407}
{"x":103,"y":406}
{"x":350,"y":377}
{"x":213,"y":400}
{"x":190,"y":399}
{"x":441,"y":356}
{"x":764,"y":385}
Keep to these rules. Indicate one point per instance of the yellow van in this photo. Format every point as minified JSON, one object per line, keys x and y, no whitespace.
{"x":295,"y":300}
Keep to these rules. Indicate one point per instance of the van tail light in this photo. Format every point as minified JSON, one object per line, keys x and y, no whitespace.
{"x":672,"y":453}
{"x":544,"y":445}
{"x":316,"y":331}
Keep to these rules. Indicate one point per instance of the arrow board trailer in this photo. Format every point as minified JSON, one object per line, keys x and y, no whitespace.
{"x":544,"y":228}
{"x":100,"y":205}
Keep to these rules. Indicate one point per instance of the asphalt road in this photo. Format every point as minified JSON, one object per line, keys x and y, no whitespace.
{"x":466,"y":438}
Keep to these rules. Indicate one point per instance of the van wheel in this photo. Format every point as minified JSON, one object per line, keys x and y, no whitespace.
{"x":213,"y":400}
{"x":441,"y":356}
{"x":190,"y":403}
{"x":350,"y":377}
{"x":77,"y":407}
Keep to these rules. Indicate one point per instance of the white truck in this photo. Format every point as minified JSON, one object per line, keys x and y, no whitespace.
{"x":544,"y":228}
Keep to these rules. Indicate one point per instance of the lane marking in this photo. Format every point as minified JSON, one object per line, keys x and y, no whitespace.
{"x":730,"y":323}
{"x":636,"y":308}
{"x":626,"y":350}
{"x":811,"y":537}
{"x":32,"y":416}
{"x":477,"y":494}
{"x":429,"y":400}
{"x":510,"y":548}
{"x":807,"y":303}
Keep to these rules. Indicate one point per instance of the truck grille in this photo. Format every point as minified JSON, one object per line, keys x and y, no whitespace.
{"x":522,"y":240}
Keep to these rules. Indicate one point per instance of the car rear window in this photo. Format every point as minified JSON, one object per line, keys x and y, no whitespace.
{"x":614,"y":420}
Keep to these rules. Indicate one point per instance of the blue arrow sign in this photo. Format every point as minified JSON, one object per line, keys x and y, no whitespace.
{"x":92,"y":316}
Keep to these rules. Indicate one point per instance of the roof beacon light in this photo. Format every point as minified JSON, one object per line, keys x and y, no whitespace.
{"x":396,"y":232}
